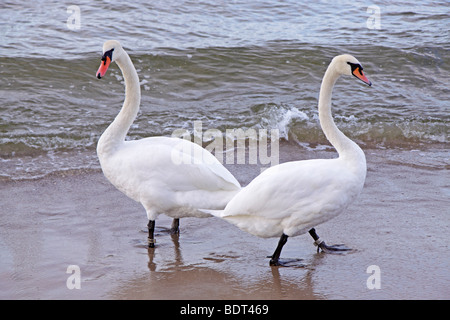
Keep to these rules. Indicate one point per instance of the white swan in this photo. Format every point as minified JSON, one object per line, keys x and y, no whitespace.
{"x":289,"y":199}
{"x":166,"y":175}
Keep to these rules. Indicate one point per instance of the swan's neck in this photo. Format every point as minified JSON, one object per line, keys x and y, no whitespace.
{"x":346,"y":148}
{"x":115,"y":134}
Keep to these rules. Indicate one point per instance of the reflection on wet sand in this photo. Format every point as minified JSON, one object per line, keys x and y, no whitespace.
{"x":180,"y":280}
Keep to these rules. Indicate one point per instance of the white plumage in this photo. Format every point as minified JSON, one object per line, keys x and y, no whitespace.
{"x":166,"y":175}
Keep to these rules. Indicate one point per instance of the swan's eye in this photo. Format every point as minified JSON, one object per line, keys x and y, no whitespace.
{"x":107,"y":54}
{"x":355,"y":66}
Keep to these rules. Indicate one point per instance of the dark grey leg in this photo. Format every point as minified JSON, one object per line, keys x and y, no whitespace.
{"x":274,"y":261}
{"x":151,"y":231}
{"x":175,"y":229}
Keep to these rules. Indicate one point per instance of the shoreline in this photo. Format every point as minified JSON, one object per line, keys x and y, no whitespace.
{"x":399,"y":223}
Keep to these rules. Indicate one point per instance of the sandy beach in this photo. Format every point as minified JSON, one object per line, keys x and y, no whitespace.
{"x":400,"y":224}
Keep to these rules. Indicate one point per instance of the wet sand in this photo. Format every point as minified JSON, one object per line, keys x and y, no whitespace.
{"x":400,"y":223}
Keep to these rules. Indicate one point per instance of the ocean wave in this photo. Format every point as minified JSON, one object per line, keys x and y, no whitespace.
{"x":290,"y":122}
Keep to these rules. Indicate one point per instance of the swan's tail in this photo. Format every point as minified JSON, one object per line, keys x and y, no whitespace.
{"x":215,"y":213}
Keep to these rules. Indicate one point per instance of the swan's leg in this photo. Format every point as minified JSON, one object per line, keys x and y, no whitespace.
{"x":151,"y":231}
{"x":175,"y":229}
{"x":338,"y":248}
{"x":275,"y":259}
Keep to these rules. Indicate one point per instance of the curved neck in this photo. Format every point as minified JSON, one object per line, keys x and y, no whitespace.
{"x":116,"y":132}
{"x":344,"y":146}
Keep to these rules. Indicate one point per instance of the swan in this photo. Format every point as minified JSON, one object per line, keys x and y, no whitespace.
{"x":289,"y":199}
{"x":149,"y":170}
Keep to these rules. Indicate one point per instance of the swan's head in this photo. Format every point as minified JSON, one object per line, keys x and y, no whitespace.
{"x":112,"y":50}
{"x":348,"y":65}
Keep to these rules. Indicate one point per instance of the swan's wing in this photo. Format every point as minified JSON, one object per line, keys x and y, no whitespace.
{"x":210,"y":163}
{"x":182,"y":165}
{"x":289,"y":188}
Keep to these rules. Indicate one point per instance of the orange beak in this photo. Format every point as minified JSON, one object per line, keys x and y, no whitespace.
{"x":103,"y":67}
{"x":361,"y":76}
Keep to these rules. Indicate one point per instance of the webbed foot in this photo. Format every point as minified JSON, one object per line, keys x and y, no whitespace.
{"x":333,"y":249}
{"x":293,"y":263}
